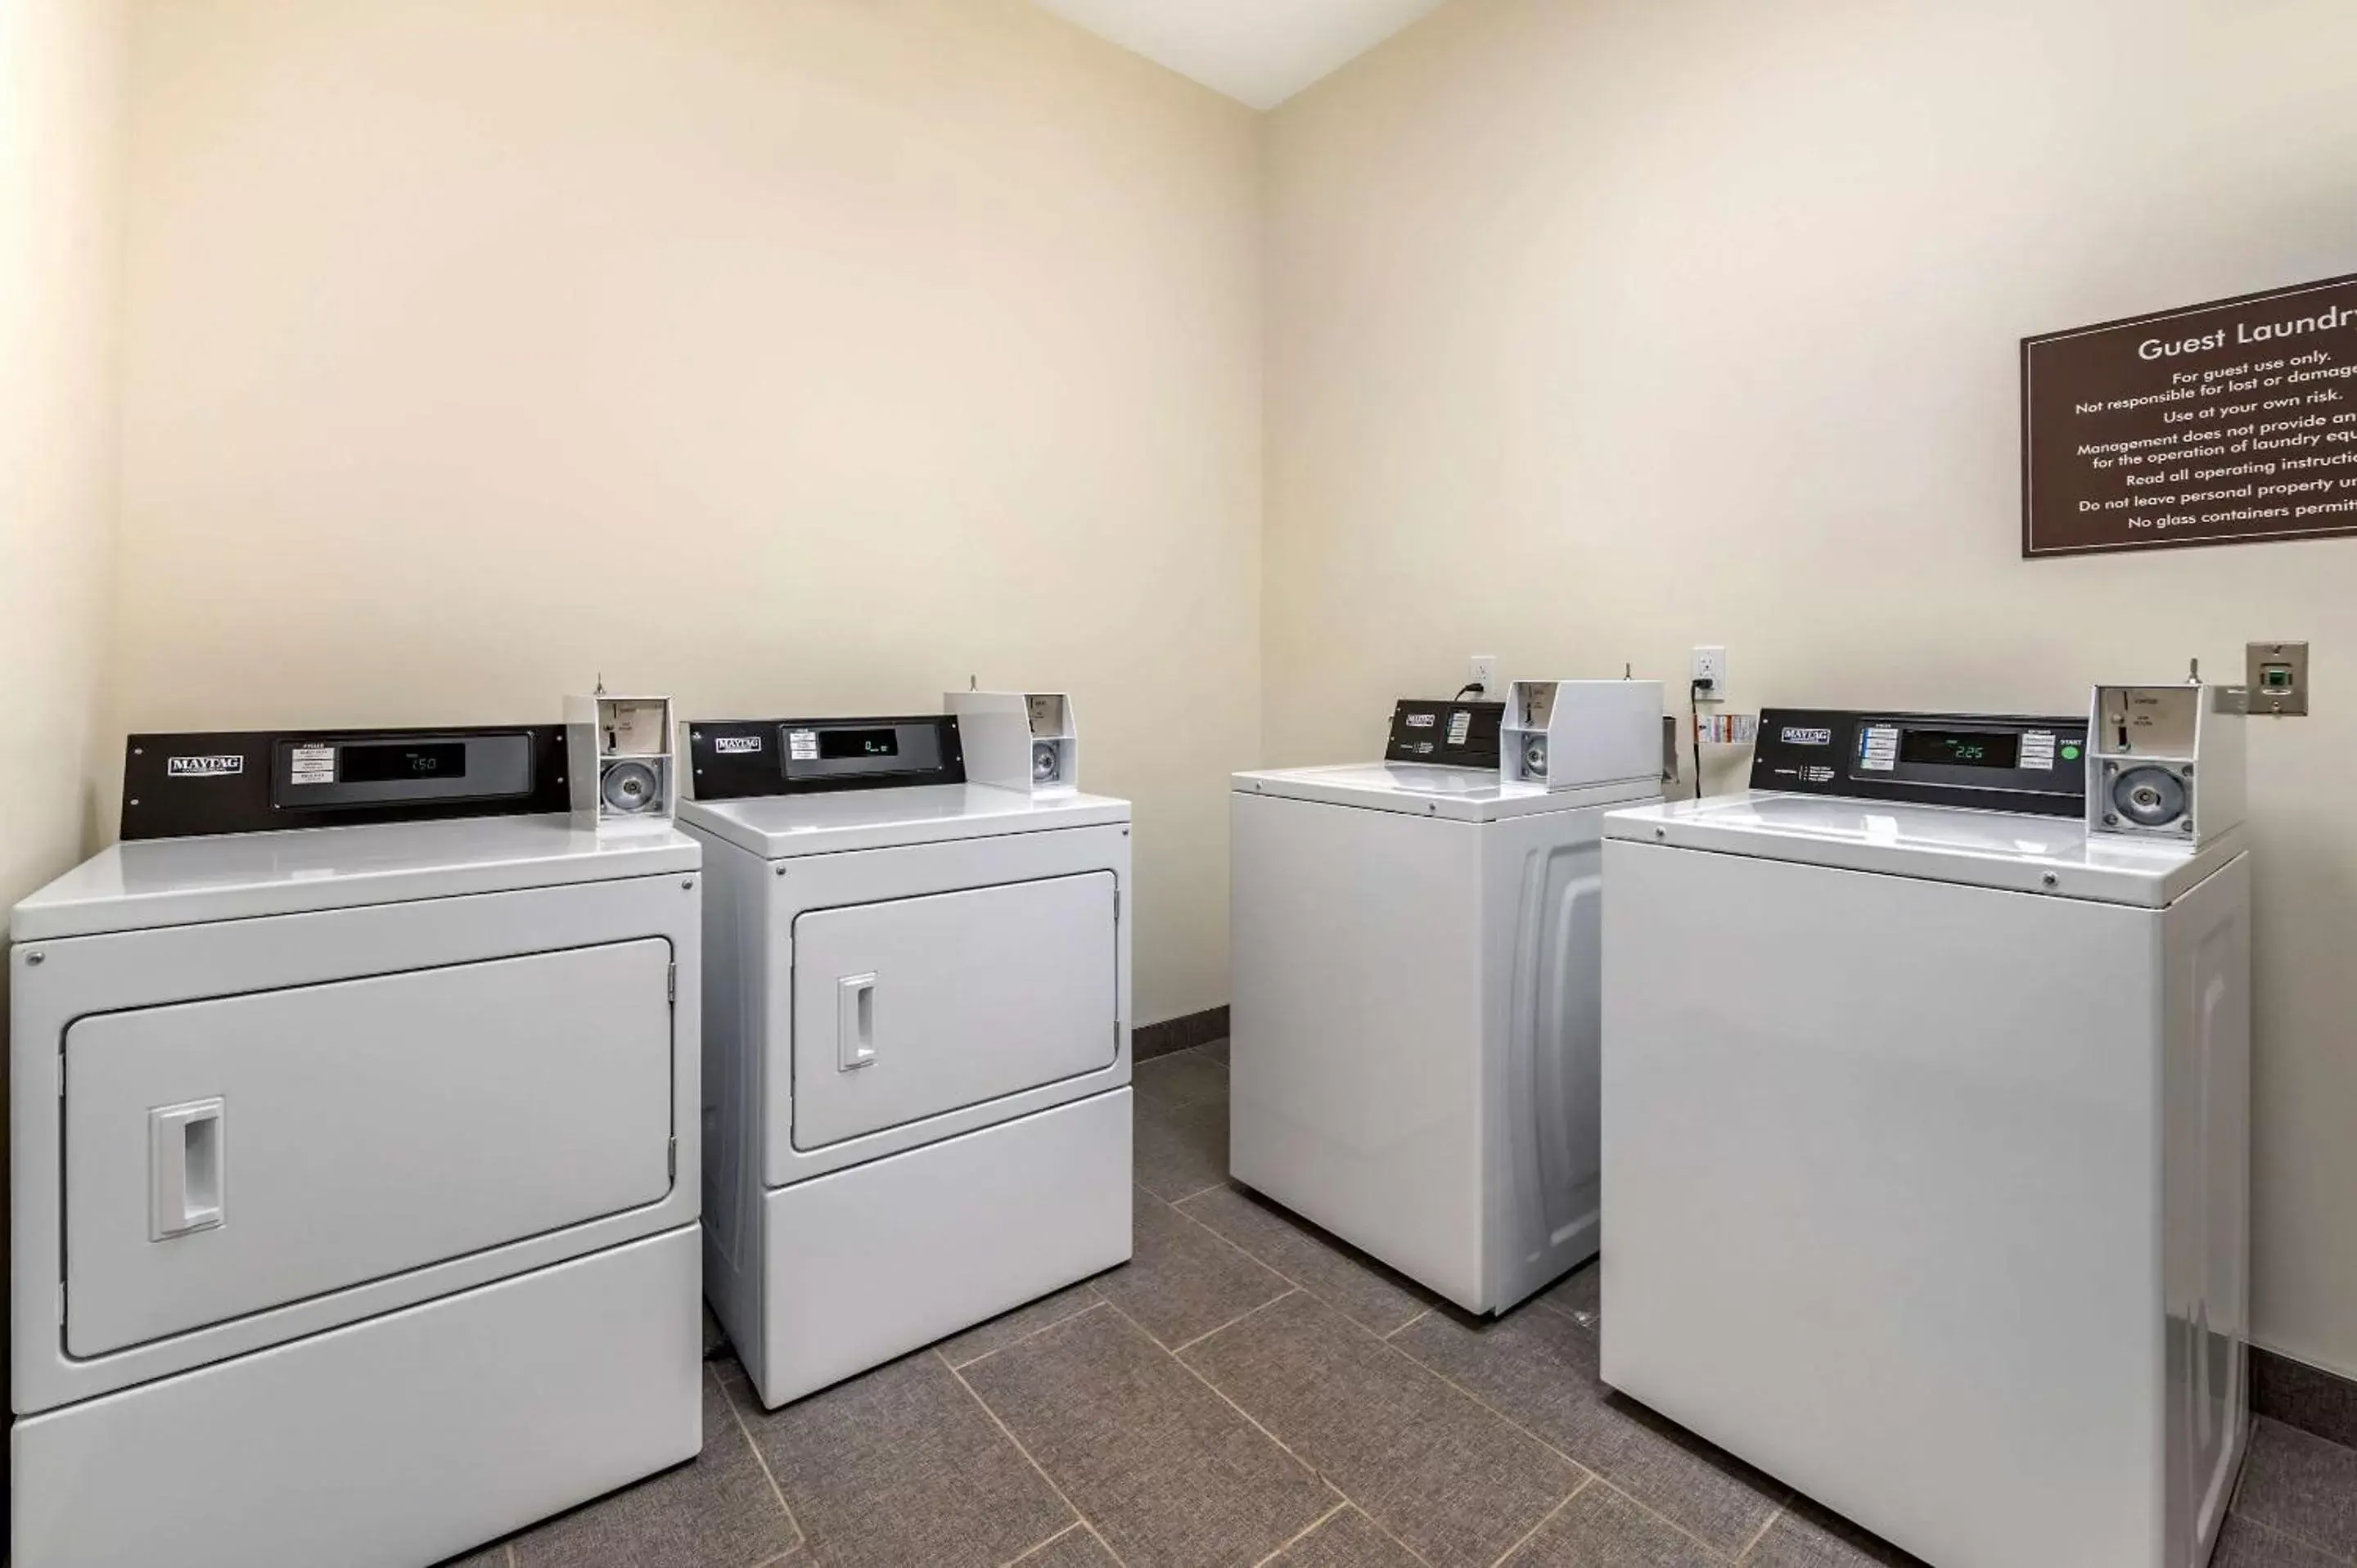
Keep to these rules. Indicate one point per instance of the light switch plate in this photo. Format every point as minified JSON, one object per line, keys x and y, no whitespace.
{"x":2275,"y":679}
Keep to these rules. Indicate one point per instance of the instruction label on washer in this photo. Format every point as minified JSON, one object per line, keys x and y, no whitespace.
{"x":311,"y":765}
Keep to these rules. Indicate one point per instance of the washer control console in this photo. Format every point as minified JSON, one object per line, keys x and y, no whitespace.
{"x":1989,"y":762}
{"x":1461,"y":734}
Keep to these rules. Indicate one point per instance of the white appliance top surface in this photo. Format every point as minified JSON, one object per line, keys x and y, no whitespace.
{"x":231,"y":876}
{"x":776,"y":826}
{"x":1988,"y":849}
{"x":1432,"y":789}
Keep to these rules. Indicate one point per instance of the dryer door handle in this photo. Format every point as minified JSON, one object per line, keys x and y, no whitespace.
{"x":184,"y":1166}
{"x":854,"y":1022}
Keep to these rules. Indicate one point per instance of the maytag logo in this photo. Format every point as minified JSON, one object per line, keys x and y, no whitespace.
{"x":735,"y":744}
{"x":1808,"y":737}
{"x":1421,"y":721}
{"x":202,"y":766}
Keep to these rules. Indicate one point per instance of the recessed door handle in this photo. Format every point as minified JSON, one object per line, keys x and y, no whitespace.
{"x":185,"y":1169}
{"x":854,"y":1022}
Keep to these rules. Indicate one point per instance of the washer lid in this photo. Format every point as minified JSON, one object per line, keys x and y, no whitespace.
{"x":1433,"y":790}
{"x":776,"y":826}
{"x":1983,"y":849}
{"x":231,"y":876}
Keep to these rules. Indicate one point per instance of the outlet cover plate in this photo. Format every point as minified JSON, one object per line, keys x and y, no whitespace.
{"x":1483,"y":669}
{"x":1710,"y":664}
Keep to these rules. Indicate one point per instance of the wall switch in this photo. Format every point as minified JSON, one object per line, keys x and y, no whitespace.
{"x":1711,"y":674}
{"x":2275,"y":679}
{"x":1484,"y":672}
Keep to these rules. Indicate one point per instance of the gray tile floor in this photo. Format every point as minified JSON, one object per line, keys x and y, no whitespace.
{"x":1247,"y":1391}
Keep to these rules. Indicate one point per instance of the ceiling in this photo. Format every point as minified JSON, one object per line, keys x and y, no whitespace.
{"x":1260,"y":52}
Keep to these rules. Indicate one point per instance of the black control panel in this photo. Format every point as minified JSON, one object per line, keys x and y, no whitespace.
{"x":1462,"y":735}
{"x":243,"y":781}
{"x":734,"y":758}
{"x":1982,"y":761}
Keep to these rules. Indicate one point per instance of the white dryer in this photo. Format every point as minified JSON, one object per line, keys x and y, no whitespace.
{"x":352,"y":1151}
{"x":916,"y":1039}
{"x":1926,"y":1137}
{"x":1414,"y":960}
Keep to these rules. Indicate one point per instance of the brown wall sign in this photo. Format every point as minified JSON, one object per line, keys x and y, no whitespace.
{"x":2217,"y":424}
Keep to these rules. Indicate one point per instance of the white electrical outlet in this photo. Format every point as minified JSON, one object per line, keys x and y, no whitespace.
{"x":1711,"y":674}
{"x":1484,"y":669}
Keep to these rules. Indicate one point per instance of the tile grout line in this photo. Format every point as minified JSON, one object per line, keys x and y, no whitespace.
{"x":1314,"y":1527}
{"x":1586,"y":1481}
{"x":1752,"y":1545}
{"x":2281,"y":1533}
{"x":1582,"y":1471}
{"x":1585,"y":1473}
{"x":1404,"y":1327}
{"x":1237,"y":1248}
{"x":1287,"y":1293}
{"x":1008,"y":1432}
{"x":987,"y":1355}
{"x":1180,"y":1204}
{"x":2241,"y":1479}
{"x":1318,"y":1297}
{"x":1587,"y":1470}
{"x":745,"y":1430}
{"x":1246,"y":1417}
{"x":1098,"y":1536}
{"x":1030,"y":1552}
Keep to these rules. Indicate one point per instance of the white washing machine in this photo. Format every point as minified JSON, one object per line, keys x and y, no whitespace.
{"x":353,"y":1140}
{"x":1414,"y":960}
{"x":916,"y":1039}
{"x":1926,"y":1137}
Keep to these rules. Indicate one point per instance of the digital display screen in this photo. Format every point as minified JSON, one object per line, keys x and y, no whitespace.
{"x":1960,"y":747}
{"x":389,"y":764}
{"x":840,"y":745}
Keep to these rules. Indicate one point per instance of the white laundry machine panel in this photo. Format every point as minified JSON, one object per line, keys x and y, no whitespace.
{"x":1414,"y":960}
{"x":908,"y":1007}
{"x":1926,"y":1166}
{"x":391,"y":1443}
{"x":331,"y":1149}
{"x":310,"y":1114}
{"x":1355,"y":967}
{"x":916,"y":1042}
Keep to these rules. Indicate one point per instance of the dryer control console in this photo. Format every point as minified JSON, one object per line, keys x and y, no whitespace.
{"x":732,"y":759}
{"x":259,"y":781}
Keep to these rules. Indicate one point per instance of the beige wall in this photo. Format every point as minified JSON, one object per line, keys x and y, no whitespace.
{"x":61,"y":77}
{"x":788,"y":356}
{"x":61,"y":83}
{"x":1602,"y":330}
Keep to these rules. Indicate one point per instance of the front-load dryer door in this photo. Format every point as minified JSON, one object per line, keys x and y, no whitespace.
{"x":231,"y":1155}
{"x":911,"y":1007}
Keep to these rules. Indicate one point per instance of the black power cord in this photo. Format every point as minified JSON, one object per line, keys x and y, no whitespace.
{"x":1475,"y":687}
{"x":1693,"y":709}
